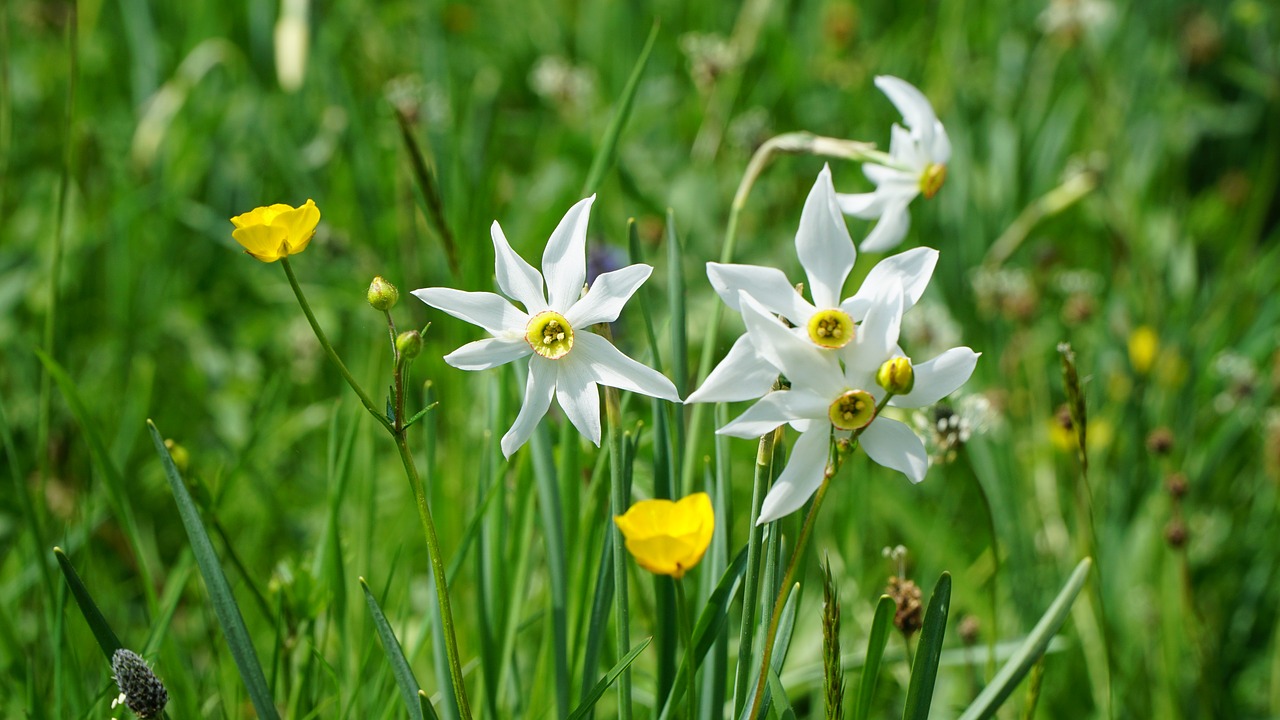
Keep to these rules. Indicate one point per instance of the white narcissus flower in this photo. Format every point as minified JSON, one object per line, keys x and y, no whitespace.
{"x":827,"y":255}
{"x":829,"y":401}
{"x":566,"y":360}
{"x":918,"y":165}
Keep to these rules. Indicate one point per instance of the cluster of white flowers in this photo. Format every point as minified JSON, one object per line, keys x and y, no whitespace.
{"x":841,"y":357}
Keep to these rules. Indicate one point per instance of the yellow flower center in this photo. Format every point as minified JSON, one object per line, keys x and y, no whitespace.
{"x":549,"y":334}
{"x":831,"y":328}
{"x":853,"y":410}
{"x":931,"y":180}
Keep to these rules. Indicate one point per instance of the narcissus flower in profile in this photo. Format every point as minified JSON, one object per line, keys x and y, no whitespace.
{"x":566,"y":360}
{"x":918,"y":166}
{"x":276,"y":231}
{"x":668,"y":537}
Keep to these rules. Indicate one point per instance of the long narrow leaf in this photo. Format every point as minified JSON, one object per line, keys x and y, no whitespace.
{"x":779,"y":695}
{"x":710,"y":624}
{"x":1032,"y":649}
{"x":224,"y":602}
{"x":609,"y":146}
{"x":102,"y":632}
{"x":924,"y":673}
{"x":877,"y":639}
{"x":597,"y":691}
{"x":395,"y":655}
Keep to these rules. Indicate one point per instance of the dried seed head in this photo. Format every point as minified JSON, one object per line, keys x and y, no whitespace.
{"x":143,"y":692}
{"x":909,"y":616}
{"x":970,"y":629}
{"x":1160,"y":441}
{"x":1177,"y":485}
{"x":1175,"y":533}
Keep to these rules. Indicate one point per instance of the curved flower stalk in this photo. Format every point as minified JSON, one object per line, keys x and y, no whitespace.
{"x":831,"y":401}
{"x":827,"y":255}
{"x":918,"y":165}
{"x":566,"y":361}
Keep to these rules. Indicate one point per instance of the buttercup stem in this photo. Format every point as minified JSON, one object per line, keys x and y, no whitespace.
{"x":437,"y":572}
{"x":686,"y":633}
{"x":618,"y":506}
{"x":333,"y":356}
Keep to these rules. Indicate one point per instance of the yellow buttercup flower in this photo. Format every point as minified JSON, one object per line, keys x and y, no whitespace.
{"x":270,"y":233}
{"x":668,"y":538}
{"x":1144,"y":346}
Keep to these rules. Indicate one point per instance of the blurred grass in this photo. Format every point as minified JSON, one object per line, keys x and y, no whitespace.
{"x":180,"y":122}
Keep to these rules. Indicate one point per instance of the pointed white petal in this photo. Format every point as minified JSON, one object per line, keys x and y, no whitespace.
{"x":823,"y":244}
{"x":938,"y":378}
{"x":909,"y":153}
{"x":773,"y":410}
{"x":877,"y":336}
{"x":893,"y":445}
{"x":768,"y":286}
{"x":911,"y":269}
{"x":488,"y":353}
{"x":743,"y":374}
{"x":892,"y":228}
{"x":538,"y":390}
{"x":867,"y":206}
{"x":517,"y":278}
{"x":564,"y":261}
{"x":607,"y":295}
{"x":490,"y":311}
{"x":797,"y":358}
{"x":801,"y":477}
{"x":940,"y":151}
{"x":607,"y":365}
{"x":914,"y":106}
{"x":579,"y":397}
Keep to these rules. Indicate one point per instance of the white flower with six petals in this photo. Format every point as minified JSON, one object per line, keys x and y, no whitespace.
{"x":918,"y":164}
{"x":566,"y":361}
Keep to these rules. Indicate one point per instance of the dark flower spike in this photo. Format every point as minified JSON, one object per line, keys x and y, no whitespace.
{"x":143,"y":692}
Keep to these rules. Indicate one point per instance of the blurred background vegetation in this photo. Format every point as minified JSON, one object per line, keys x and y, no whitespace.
{"x":1116,"y":168}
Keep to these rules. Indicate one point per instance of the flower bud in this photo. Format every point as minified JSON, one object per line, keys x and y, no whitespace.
{"x":409,"y":344}
{"x":143,"y":692}
{"x":382,"y":294}
{"x":896,"y":376}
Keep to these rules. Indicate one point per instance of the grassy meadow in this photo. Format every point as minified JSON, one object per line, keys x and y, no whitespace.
{"x":1114,"y":185}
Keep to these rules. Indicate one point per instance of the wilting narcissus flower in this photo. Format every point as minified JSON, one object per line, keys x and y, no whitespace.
{"x":566,"y":360}
{"x":276,"y":231}
{"x":666,"y":537}
{"x":919,"y":158}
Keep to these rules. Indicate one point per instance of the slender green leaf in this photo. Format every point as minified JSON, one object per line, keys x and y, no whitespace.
{"x":224,"y":601}
{"x":552,"y":533}
{"x":877,"y":639}
{"x":782,"y":708}
{"x":409,"y":689}
{"x":609,"y":146}
{"x":102,"y":632}
{"x":597,"y":691}
{"x":601,"y":601}
{"x":1032,"y":649}
{"x":424,"y":707}
{"x":710,"y":624}
{"x":781,"y":644}
{"x":924,"y":673}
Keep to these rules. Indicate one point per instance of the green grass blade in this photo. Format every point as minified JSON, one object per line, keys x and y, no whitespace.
{"x":609,"y":147}
{"x":224,"y":602}
{"x":424,"y":707}
{"x":597,"y":691}
{"x":601,"y":601}
{"x":409,"y":689}
{"x":781,"y":644}
{"x":782,"y":709}
{"x":877,"y":639}
{"x":102,"y":632}
{"x":552,"y":533}
{"x":1032,"y":649}
{"x":430,"y":199}
{"x":711,"y":623}
{"x":924,"y":673}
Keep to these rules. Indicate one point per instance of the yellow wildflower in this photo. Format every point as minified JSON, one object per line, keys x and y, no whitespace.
{"x":668,"y":538}
{"x":270,"y":233}
{"x":1144,"y":345}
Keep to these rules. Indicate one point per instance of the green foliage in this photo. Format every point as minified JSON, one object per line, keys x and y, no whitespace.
{"x":1104,"y":177}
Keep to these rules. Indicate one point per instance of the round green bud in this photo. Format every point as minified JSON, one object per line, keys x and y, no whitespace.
{"x":409,"y":344}
{"x":382,"y":294}
{"x":896,"y":376}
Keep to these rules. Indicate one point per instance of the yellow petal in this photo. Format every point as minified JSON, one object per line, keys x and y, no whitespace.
{"x":300,"y":224}
{"x":668,"y":537}
{"x":264,"y":242}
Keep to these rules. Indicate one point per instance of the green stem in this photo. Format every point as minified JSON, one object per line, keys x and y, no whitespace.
{"x":751,"y":591}
{"x":767,"y":650}
{"x":796,"y":143}
{"x":617,"y":503}
{"x":379,"y":415}
{"x":686,"y":633}
{"x":438,"y":572}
